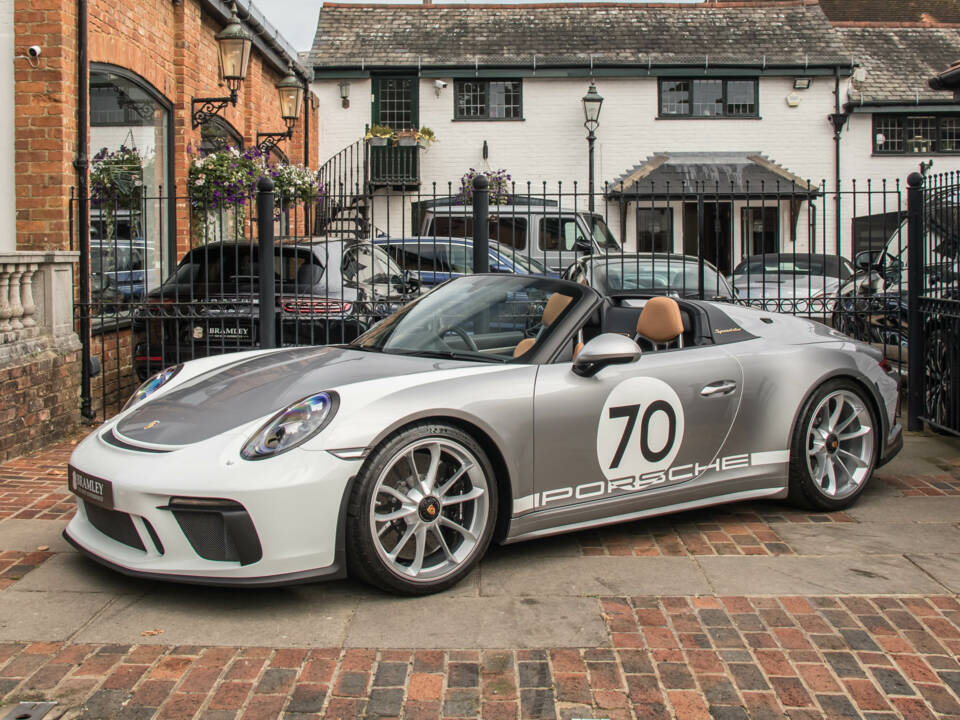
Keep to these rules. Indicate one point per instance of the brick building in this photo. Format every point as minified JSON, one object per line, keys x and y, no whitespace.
{"x":147,"y":61}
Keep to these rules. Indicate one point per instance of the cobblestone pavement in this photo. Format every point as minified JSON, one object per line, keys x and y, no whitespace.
{"x":884,"y":645}
{"x":727,"y":657}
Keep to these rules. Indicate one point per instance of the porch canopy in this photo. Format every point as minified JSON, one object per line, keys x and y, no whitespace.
{"x":716,"y":175}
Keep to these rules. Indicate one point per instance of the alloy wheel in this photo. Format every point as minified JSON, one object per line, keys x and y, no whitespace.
{"x":840,"y":444}
{"x":429,"y":509}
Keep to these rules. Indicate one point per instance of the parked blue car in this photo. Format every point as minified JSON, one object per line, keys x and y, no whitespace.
{"x":433,"y":260}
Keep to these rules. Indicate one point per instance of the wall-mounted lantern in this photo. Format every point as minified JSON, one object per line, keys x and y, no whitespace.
{"x":234,"y":44}
{"x":290,"y":91}
{"x":344,"y":93}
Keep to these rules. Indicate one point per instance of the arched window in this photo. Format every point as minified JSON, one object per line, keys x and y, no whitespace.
{"x":131,"y":180}
{"x":217,"y":134}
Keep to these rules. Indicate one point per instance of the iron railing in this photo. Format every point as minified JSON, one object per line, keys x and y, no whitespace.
{"x":349,"y":257}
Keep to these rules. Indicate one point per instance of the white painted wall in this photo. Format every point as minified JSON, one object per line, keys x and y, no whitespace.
{"x":8,"y":196}
{"x":549,"y":144}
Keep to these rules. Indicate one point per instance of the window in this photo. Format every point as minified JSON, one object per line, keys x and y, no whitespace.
{"x":505,"y":229}
{"x":654,"y":230}
{"x":217,"y":134}
{"x":562,"y":234}
{"x":131,"y":138}
{"x":905,"y":134}
{"x":708,"y":98}
{"x":488,"y":100}
{"x":760,"y":230}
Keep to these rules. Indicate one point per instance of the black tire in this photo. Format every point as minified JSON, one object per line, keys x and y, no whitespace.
{"x":364,"y":552}
{"x":804,"y":491}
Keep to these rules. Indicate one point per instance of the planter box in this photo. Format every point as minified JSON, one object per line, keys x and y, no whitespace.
{"x":407,"y":141}
{"x":378,"y":141}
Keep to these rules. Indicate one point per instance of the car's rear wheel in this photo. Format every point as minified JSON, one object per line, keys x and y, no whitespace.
{"x":834,"y":447}
{"x":422,"y":511}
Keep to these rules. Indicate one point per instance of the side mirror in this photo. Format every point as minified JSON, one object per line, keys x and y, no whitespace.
{"x":603,"y":350}
{"x":584,"y":247}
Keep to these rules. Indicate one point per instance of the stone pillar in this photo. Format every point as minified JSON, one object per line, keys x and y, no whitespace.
{"x":8,"y":198}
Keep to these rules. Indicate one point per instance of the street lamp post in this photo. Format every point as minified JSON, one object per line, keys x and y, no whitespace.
{"x":591,"y":113}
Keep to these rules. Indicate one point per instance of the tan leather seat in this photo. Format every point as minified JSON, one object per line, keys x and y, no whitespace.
{"x":555,"y":305}
{"x":660,"y":321}
{"x":523,"y":346}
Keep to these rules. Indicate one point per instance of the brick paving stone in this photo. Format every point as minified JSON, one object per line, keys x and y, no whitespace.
{"x":669,"y":657}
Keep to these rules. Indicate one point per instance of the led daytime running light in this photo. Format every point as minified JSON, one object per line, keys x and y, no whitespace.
{"x":292,"y":426}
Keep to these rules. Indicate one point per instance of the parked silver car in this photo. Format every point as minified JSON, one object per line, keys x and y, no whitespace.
{"x":552,"y":235}
{"x":797,"y":283}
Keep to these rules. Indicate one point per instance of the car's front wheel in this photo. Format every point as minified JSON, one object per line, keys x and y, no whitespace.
{"x":833,"y":452}
{"x":422,"y":511}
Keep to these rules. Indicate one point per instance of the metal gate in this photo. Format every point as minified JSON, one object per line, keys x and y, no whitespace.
{"x":933,"y":210}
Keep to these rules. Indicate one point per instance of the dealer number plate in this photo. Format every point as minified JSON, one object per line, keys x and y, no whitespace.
{"x":90,"y":488}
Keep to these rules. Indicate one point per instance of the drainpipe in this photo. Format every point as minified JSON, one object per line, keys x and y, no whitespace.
{"x":838,"y":119}
{"x":82,"y":165}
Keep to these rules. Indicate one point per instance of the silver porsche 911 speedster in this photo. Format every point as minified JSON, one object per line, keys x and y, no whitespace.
{"x":495,"y":408}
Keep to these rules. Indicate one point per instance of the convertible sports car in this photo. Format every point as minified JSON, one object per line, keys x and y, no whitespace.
{"x":494,"y":408}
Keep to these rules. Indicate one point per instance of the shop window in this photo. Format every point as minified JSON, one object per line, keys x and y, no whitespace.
{"x":217,"y":134}
{"x":131,"y":213}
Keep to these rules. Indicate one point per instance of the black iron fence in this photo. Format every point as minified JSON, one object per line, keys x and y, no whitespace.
{"x":348,"y":258}
{"x":934,"y":300}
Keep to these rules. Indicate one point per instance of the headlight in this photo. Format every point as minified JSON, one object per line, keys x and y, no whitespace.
{"x":152,"y":384}
{"x":292,"y":426}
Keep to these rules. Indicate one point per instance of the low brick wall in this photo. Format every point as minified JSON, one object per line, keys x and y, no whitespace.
{"x":39,"y":396}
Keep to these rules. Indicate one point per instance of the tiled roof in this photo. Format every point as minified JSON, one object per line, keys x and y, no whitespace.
{"x":568,"y":34}
{"x":892,"y":12}
{"x":740,"y":173}
{"x":900,"y":61}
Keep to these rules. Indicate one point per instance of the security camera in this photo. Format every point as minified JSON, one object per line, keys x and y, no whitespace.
{"x":439,"y":84}
{"x":33,"y":51}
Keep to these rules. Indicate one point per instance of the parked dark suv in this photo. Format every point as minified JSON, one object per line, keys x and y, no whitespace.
{"x":327,"y":292}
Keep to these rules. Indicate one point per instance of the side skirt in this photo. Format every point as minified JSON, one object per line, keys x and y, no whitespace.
{"x":650,"y":512}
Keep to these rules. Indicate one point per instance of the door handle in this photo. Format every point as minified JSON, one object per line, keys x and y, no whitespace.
{"x":720,"y":387}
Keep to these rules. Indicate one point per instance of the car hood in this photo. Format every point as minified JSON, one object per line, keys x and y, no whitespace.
{"x":233,"y":395}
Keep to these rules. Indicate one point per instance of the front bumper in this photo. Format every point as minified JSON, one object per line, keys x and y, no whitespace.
{"x":289,"y":509}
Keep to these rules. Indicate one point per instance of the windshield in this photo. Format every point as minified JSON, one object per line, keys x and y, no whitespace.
{"x":472,"y":318}
{"x":367,"y":264}
{"x":658,"y":275}
{"x":602,"y":235}
{"x":792,"y":265}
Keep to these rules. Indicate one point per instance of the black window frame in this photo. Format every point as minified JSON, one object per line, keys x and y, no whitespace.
{"x":724,"y":115}
{"x":457,"y":89}
{"x":647,"y":237}
{"x":902,"y":119}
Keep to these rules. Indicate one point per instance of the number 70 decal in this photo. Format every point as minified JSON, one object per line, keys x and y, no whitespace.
{"x":640,"y":428}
